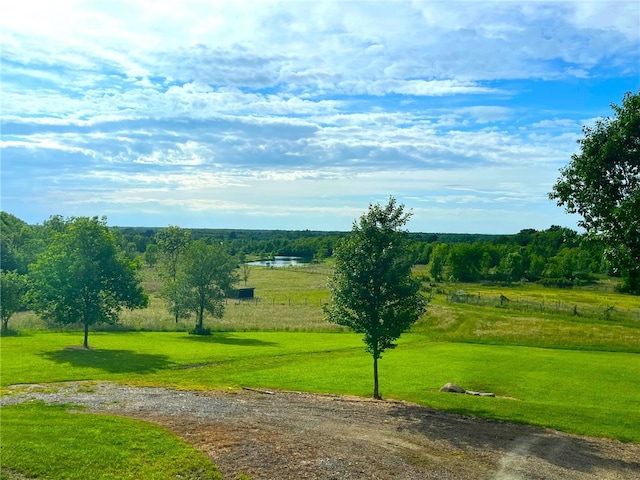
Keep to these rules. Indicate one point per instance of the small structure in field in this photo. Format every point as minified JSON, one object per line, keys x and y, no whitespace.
{"x":245,"y":293}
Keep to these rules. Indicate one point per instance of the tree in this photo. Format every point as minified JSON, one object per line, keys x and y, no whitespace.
{"x":465,"y":262}
{"x":438,"y":260}
{"x":177,"y":296}
{"x":84,"y":276}
{"x":12,"y":289}
{"x":602,"y":185}
{"x":206,"y":275}
{"x":246,"y":271}
{"x":372,"y":289}
{"x":172,"y":242}
{"x":17,"y":244}
{"x":512,"y":265}
{"x":151,"y":254}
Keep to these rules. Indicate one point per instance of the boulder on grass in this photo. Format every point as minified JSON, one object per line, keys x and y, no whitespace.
{"x":453,"y":388}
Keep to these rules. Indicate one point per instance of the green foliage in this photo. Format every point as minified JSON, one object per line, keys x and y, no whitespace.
{"x":84,"y":277}
{"x":205,"y":277}
{"x":177,"y":296}
{"x":465,"y":262}
{"x":372,"y":289}
{"x":151,"y":254}
{"x":51,"y":442}
{"x":172,"y":242}
{"x":602,"y":185}
{"x":559,"y":255}
{"x":12,"y":290}
{"x":19,"y":244}
{"x":450,"y":256}
{"x":437,"y":261}
{"x":513,"y":266}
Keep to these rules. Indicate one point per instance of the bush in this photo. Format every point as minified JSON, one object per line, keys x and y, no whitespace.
{"x":556,"y":282}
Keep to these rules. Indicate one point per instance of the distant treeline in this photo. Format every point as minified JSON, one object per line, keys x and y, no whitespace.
{"x":556,"y":256}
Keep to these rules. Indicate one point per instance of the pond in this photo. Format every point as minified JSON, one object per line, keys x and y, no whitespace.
{"x":280,"y":261}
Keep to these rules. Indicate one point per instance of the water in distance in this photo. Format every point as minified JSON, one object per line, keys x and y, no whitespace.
{"x":279,"y":261}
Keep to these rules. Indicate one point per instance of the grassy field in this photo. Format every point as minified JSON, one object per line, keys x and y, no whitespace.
{"x":548,"y":366}
{"x":82,"y":446}
{"x":286,"y":299}
{"x":563,"y":389}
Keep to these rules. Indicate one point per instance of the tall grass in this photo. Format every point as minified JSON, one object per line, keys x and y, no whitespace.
{"x":291,"y":299}
{"x":286,"y":299}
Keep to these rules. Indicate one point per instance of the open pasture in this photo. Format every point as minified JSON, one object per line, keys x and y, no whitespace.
{"x":593,"y":393}
{"x":577,"y":319}
{"x":574,"y":373}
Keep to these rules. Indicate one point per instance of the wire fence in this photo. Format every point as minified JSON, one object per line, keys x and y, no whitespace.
{"x":601,"y":312}
{"x":282,"y":300}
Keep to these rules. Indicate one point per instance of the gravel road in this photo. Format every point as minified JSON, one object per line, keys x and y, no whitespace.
{"x":289,"y":435}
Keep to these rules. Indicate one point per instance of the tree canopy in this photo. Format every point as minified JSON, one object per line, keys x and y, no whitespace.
{"x":84,"y":276}
{"x":372,"y":289}
{"x":172,"y":242}
{"x":12,"y":290}
{"x":205,"y":276}
{"x":602,"y":185}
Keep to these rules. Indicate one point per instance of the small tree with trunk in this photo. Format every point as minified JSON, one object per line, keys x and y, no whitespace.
{"x":372,"y":289}
{"x":84,"y":276}
{"x":12,"y":289}
{"x":172,"y":243}
{"x":205,"y":276}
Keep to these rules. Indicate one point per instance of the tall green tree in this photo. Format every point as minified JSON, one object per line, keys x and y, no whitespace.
{"x":206,"y":275}
{"x":512,"y":266}
{"x":438,"y":260}
{"x":84,"y":276}
{"x":372,"y":289}
{"x":18,"y":245}
{"x":602,"y":185}
{"x":465,"y":262}
{"x":12,"y":290}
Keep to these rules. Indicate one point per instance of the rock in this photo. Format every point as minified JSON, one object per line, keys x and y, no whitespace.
{"x":450,"y":387}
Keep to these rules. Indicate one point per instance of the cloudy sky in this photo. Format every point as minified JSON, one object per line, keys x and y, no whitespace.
{"x":297,"y":115}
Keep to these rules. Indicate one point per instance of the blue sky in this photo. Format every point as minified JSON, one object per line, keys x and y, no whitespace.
{"x":297,"y":115}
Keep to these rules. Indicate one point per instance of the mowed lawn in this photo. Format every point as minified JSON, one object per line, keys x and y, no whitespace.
{"x":584,"y":392}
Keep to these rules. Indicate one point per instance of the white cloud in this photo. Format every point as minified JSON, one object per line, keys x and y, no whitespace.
{"x":272,"y":106}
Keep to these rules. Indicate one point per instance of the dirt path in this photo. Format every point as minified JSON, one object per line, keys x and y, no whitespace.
{"x":287,"y":435}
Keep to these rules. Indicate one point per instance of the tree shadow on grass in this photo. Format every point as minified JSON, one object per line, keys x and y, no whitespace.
{"x":112,"y":361}
{"x":225,"y":338}
{"x":569,"y":452}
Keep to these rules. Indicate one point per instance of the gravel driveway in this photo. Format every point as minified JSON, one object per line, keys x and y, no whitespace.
{"x":288,"y":435}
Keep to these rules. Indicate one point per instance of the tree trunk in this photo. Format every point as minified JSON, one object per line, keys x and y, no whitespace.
{"x":199,"y":320}
{"x":376,"y":393}
{"x":5,"y":325}
{"x":86,"y":336}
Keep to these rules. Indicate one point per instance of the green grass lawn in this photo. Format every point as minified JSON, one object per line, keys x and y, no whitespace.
{"x":54,"y":441}
{"x":547,"y":366}
{"x":584,"y":392}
